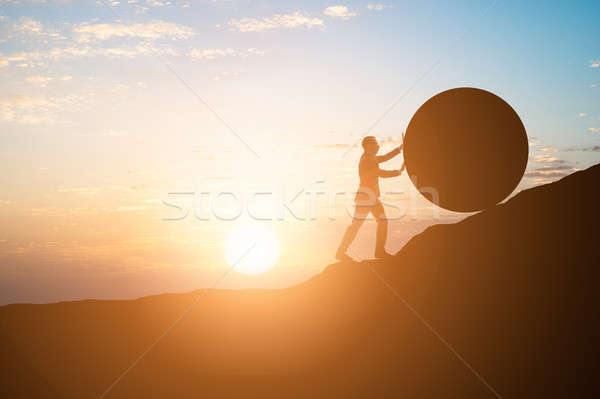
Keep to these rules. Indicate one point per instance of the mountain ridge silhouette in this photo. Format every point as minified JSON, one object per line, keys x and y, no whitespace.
{"x":509,"y":293}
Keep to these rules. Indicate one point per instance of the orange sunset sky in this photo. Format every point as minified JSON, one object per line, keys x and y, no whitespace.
{"x":110,"y":112}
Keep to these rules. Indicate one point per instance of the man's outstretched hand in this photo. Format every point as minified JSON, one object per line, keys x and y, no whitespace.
{"x":401,"y":146}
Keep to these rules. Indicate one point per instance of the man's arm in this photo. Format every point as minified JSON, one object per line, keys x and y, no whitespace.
{"x":389,"y":155}
{"x":389,"y":173}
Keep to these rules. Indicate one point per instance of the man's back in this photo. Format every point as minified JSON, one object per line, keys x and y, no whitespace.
{"x":368,"y":172}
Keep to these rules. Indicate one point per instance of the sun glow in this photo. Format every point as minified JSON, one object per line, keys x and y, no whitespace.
{"x":251,"y":249}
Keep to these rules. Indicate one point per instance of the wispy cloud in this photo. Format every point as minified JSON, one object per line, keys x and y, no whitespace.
{"x":35,"y":110}
{"x":84,"y":51}
{"x":277,"y":21}
{"x":594,"y":129}
{"x":550,"y":171}
{"x":147,"y":30}
{"x":38,"y":80}
{"x":337,"y":146}
{"x":548,"y":149}
{"x":77,"y":52}
{"x":28,"y":28}
{"x":133,"y":208}
{"x":339,"y":12}
{"x":595,"y":148}
{"x":3,"y":61}
{"x":548,"y":159}
{"x":390,"y":139}
{"x":115,"y":133}
{"x":90,"y":191}
{"x":225,"y":75}
{"x":595,"y":64}
{"x":34,"y":1}
{"x":214,"y":53}
{"x":377,"y":7}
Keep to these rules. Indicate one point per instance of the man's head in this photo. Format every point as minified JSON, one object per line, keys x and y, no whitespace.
{"x":370,"y":145}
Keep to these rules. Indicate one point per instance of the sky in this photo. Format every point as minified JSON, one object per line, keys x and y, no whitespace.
{"x":116,"y":116}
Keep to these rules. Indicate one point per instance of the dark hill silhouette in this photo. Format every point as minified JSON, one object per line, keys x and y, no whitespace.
{"x":512,"y":289}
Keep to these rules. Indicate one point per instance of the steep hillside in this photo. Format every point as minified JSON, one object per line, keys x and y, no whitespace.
{"x":503,"y":303}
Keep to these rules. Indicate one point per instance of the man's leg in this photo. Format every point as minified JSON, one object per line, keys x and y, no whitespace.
{"x":382,"y":230}
{"x":351,"y":231}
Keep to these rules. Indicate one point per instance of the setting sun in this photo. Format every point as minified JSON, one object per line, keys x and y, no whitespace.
{"x":251,"y":249}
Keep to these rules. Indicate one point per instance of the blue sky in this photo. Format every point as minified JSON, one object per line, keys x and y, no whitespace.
{"x":96,"y":125}
{"x":536,"y":56}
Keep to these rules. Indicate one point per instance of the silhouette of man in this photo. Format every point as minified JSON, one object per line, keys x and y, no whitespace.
{"x":367,"y":197}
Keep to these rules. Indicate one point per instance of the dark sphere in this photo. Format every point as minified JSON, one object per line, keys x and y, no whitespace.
{"x":465,"y":149}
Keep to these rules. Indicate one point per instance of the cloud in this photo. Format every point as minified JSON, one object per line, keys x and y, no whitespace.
{"x":339,"y":12}
{"x":390,"y":139}
{"x":79,"y":52}
{"x":225,"y":75}
{"x":33,"y":1}
{"x":146,"y":30}
{"x":214,"y":53}
{"x":581,"y":114}
{"x":548,"y":159}
{"x":595,"y":64}
{"x":133,"y":208}
{"x":595,"y":148}
{"x":29,"y":110}
{"x":90,"y":191}
{"x":287,"y":21}
{"x":26,"y":110}
{"x":548,"y":149}
{"x":115,"y":133}
{"x":382,"y":140}
{"x":30,"y":28}
{"x":550,"y":171}
{"x":325,"y":147}
{"x":575,"y":149}
{"x":41,"y":81}
{"x":594,"y":129}
{"x":377,"y":7}
{"x":32,"y":58}
{"x":160,"y":3}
